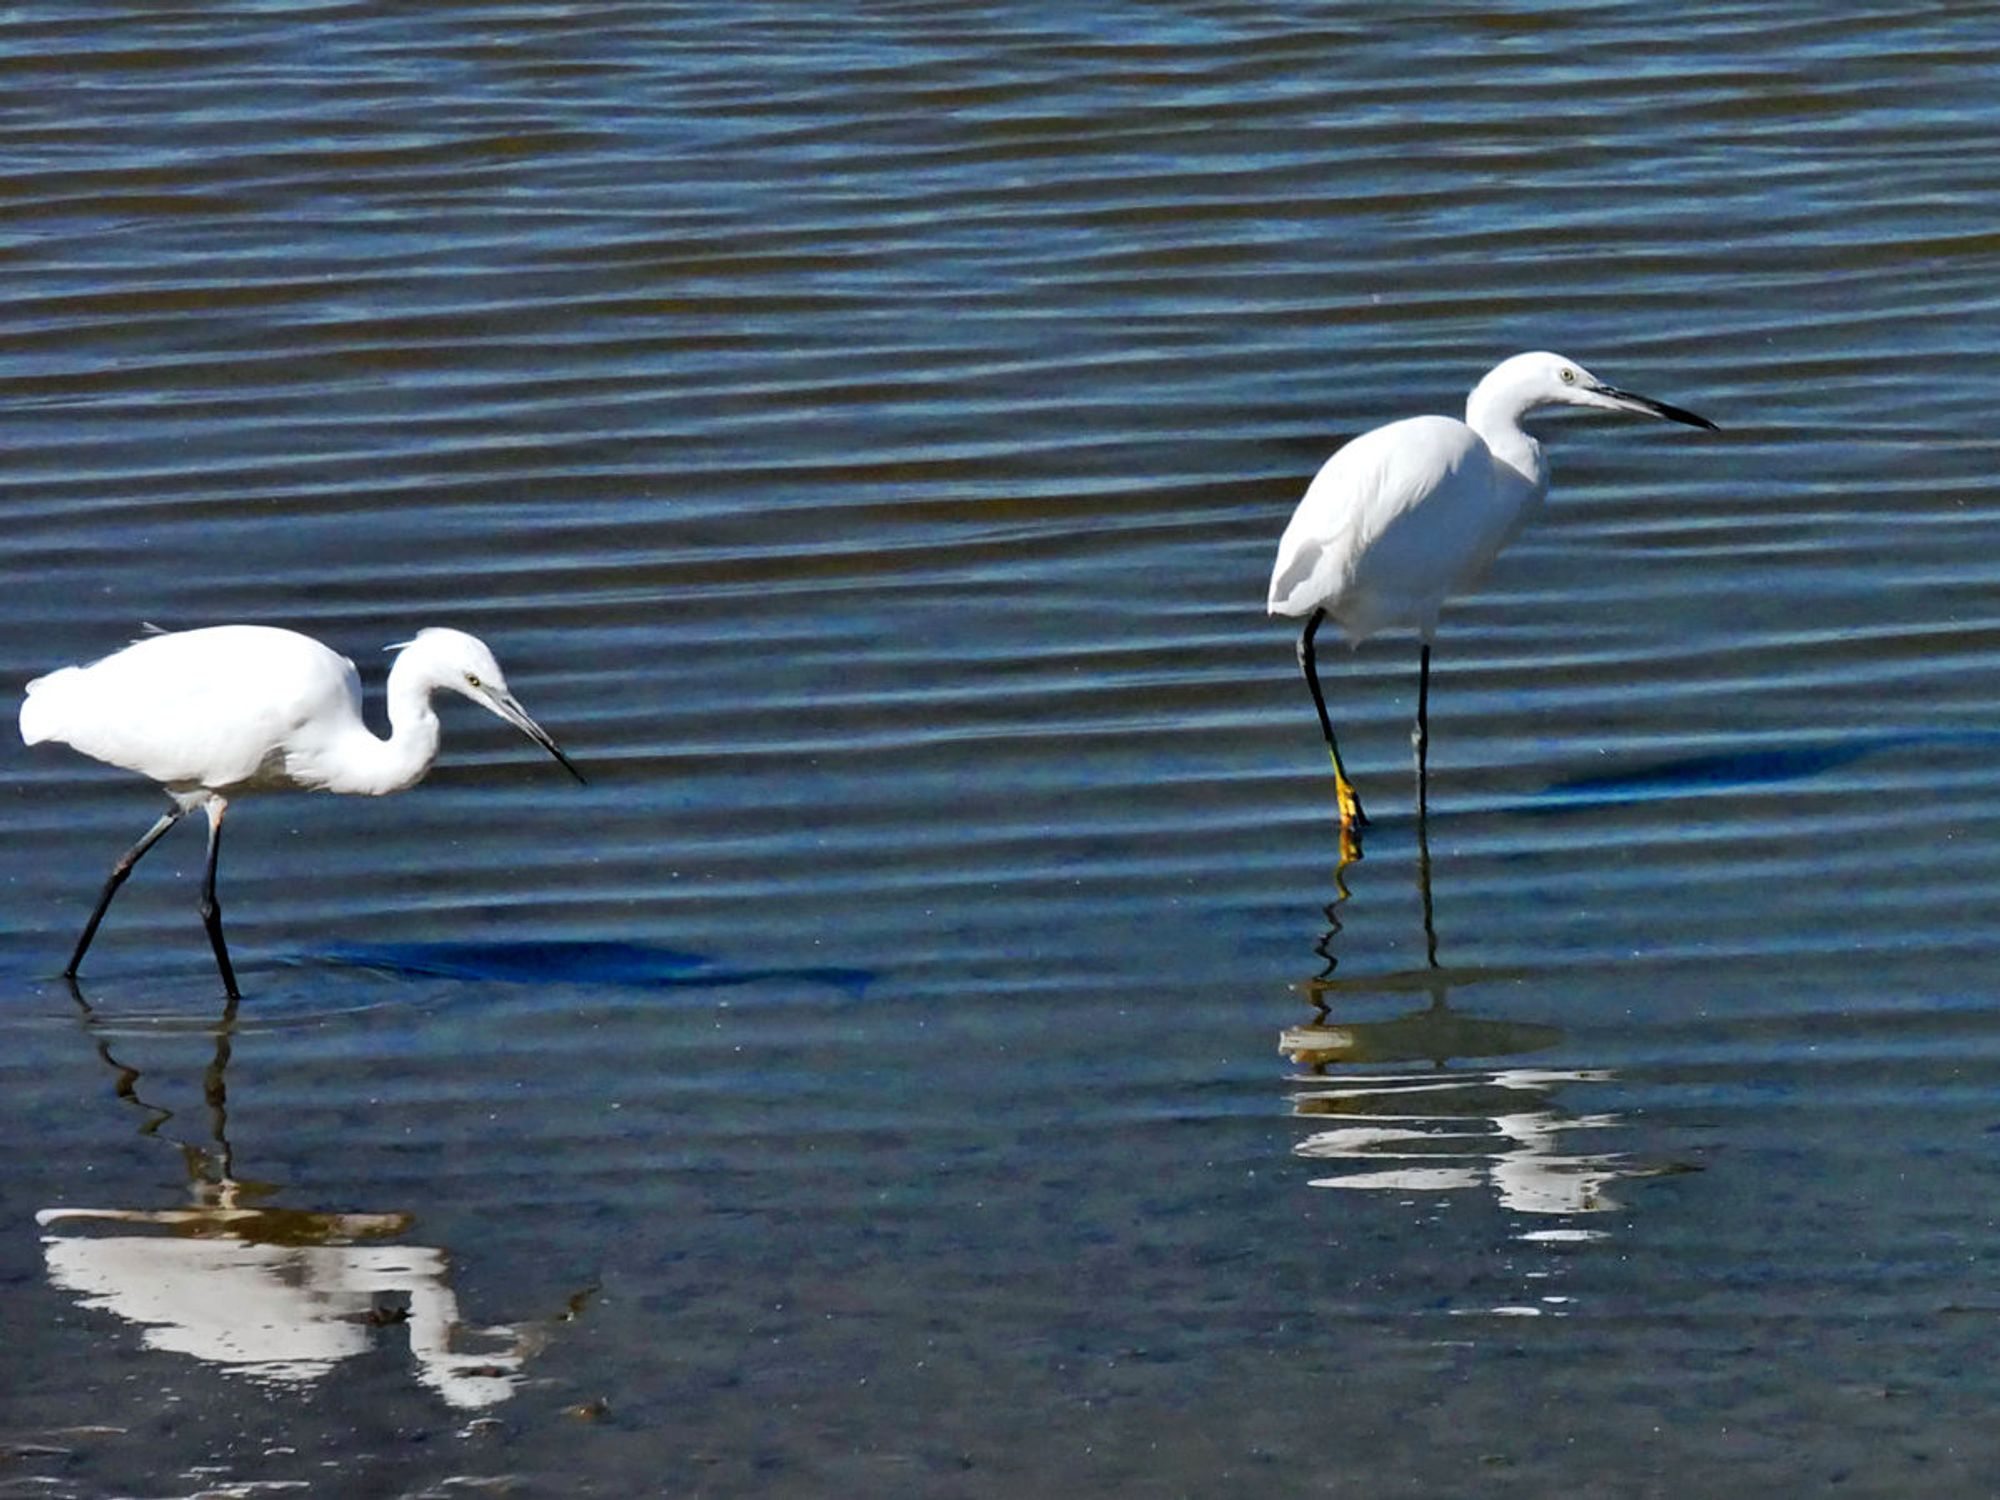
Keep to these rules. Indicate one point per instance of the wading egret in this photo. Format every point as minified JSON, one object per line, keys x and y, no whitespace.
{"x":213,"y":714}
{"x":1411,"y":513}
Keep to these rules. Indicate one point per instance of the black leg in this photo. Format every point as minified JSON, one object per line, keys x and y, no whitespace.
{"x":118,"y":873}
{"x":1351,"y":815}
{"x":211,"y":913}
{"x":215,"y":1089}
{"x":1424,"y":896}
{"x":1420,"y":737}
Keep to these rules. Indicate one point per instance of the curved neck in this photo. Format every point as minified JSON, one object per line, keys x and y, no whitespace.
{"x":1494,"y":411}
{"x":370,"y":766}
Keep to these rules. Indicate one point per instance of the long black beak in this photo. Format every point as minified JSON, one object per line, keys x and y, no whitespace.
{"x":504,"y":705}
{"x":1652,"y":408}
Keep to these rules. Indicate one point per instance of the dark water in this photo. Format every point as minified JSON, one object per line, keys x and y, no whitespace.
{"x":936,"y":1054}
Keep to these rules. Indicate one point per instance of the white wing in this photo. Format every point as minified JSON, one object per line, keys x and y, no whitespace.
{"x":1391,"y":524}
{"x":197,"y":708}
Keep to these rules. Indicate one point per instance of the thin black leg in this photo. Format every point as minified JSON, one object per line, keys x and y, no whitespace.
{"x":118,"y":873}
{"x":215,"y":1089}
{"x":1351,"y":814}
{"x":1420,"y":737}
{"x":1424,"y":896}
{"x":211,"y":912}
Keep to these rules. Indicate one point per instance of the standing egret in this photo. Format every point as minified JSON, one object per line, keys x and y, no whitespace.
{"x":212,"y":714}
{"x":1408,"y":514}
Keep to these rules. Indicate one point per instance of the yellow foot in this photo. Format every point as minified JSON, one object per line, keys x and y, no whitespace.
{"x":1350,"y":851}
{"x":1351,"y":815}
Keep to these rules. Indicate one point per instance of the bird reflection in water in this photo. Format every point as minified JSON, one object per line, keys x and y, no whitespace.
{"x":280,"y":1295}
{"x":1443,"y":1126}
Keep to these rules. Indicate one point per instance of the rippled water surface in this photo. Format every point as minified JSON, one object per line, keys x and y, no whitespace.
{"x":938,"y":1053}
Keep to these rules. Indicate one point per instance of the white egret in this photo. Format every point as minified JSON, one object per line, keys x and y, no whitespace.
{"x":1411,"y":513}
{"x":213,"y":714}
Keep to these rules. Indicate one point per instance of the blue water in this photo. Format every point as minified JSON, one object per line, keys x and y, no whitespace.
{"x":940,"y":1052}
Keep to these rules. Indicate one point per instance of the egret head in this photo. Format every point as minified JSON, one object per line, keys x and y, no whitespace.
{"x":1539,"y":379}
{"x":461,"y":663}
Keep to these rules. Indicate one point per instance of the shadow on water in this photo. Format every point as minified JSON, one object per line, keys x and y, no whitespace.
{"x":282,"y":1296}
{"x":1727,"y":770}
{"x":1411,"y":1103}
{"x":578,"y":962}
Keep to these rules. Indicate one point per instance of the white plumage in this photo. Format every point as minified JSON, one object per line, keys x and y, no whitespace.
{"x":1411,"y":513}
{"x":213,"y":714}
{"x":1391,"y":525}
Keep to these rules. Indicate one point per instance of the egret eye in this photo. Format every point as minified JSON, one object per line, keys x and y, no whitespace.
{"x":471,"y":680}
{"x":1568,"y":376}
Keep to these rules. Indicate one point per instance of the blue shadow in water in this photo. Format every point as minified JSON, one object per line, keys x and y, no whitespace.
{"x":1709,"y":773}
{"x":632,"y":964}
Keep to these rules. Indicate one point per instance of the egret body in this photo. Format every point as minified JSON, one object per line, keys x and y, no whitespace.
{"x":213,"y":714}
{"x":1409,"y":514}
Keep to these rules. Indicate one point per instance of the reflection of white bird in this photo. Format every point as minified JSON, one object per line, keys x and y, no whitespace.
{"x":285,"y":1313}
{"x":1409,"y":514}
{"x":1425,"y":1123}
{"x":212,"y":714}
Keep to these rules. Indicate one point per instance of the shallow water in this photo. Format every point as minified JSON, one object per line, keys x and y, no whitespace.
{"x":937,"y":1053}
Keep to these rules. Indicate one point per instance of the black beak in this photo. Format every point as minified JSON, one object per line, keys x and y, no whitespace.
{"x":556,"y":750}
{"x":1652,"y":408}
{"x":504,"y":705}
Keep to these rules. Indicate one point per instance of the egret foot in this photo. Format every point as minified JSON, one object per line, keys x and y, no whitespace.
{"x":1350,"y":851}
{"x":1348,"y":800}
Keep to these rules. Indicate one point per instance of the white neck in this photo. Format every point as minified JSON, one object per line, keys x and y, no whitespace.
{"x":371,"y":767}
{"x":1494,"y":411}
